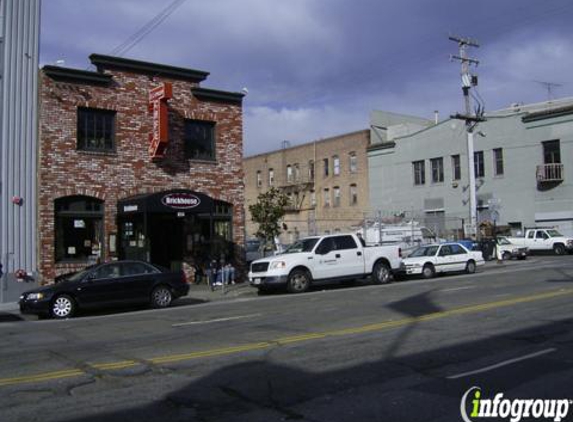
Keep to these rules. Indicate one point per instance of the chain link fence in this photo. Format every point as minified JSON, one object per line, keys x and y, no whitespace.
{"x":378,"y":226}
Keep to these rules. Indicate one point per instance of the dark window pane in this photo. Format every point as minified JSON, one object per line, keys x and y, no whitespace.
{"x":78,"y":228}
{"x":95,"y":129}
{"x":344,"y":242}
{"x":199,"y":140}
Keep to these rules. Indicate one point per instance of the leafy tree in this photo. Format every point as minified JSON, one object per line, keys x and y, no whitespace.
{"x":267,"y":213}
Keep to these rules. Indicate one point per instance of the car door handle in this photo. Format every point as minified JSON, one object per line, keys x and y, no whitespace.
{"x":359,"y":253}
{"x":337,"y":255}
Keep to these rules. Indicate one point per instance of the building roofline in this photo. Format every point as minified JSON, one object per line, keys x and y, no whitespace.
{"x":218,"y":95}
{"x":109,"y":62}
{"x":76,"y":75}
{"x":320,"y":141}
{"x":548,"y":113}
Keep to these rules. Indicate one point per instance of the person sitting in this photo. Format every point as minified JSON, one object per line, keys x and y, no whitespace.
{"x":228,"y":273}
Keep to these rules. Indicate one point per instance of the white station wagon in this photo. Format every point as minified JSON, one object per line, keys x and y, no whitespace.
{"x":431,"y":259}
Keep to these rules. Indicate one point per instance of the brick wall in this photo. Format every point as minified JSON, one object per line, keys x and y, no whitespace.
{"x":64,"y":171}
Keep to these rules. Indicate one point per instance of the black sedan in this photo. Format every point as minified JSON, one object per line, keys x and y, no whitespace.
{"x":103,"y":285}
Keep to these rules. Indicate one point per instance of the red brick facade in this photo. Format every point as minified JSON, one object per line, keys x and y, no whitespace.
{"x":111,"y":176}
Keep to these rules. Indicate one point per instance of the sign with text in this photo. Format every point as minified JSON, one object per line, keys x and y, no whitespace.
{"x":159,"y":137}
{"x":180,"y":200}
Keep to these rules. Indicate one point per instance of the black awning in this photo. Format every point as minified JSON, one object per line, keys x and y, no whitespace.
{"x":172,"y":201}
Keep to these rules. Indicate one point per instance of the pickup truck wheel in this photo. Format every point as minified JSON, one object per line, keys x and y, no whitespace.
{"x":506,"y":256}
{"x":471,"y":267}
{"x":559,"y":249}
{"x":381,"y":273}
{"x":298,"y":281}
{"x":428,"y":271}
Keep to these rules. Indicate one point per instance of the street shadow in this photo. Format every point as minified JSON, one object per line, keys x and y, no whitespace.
{"x":566,"y":278}
{"x":413,"y":387}
{"x":9,"y":317}
{"x":184,"y":301}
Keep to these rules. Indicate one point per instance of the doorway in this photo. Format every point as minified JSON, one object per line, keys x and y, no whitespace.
{"x":166,"y":240}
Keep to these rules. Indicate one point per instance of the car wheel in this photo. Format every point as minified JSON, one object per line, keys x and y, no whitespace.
{"x":559,"y":249}
{"x":506,"y":256}
{"x":428,"y":271}
{"x":63,"y":307}
{"x":298,"y":281}
{"x":471,"y":267}
{"x":161,"y":297}
{"x":381,"y":273}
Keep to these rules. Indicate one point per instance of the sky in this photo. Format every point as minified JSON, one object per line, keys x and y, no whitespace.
{"x":317,"y":68}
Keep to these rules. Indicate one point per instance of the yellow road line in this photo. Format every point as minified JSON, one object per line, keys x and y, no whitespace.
{"x":47,"y":376}
{"x":384,"y":325}
{"x":115,"y":365}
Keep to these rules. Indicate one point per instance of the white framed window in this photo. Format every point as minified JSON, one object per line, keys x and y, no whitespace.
{"x":336,"y":165}
{"x":419,"y":168}
{"x":326,"y":197}
{"x":456,"y":167}
{"x":479,"y":166}
{"x":296,"y":171}
{"x":353,"y":162}
{"x":353,"y":194}
{"x":259,"y":179}
{"x":271,"y":177}
{"x":437,"y":166}
{"x":336,"y":193}
{"x":498,"y":162}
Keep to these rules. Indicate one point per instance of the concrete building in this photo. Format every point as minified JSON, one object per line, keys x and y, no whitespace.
{"x":19,"y":41}
{"x":137,"y":160}
{"x":522,"y":167}
{"x":326,"y":180}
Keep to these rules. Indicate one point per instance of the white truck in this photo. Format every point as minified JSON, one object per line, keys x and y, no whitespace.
{"x":325,"y":259}
{"x":544,"y":239}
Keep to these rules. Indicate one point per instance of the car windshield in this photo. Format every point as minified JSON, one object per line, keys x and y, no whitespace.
{"x":554,"y":233}
{"x":503,"y":241}
{"x":304,"y":245}
{"x":424,"y":251}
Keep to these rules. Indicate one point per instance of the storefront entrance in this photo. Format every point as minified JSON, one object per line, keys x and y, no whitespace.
{"x":172,"y":227}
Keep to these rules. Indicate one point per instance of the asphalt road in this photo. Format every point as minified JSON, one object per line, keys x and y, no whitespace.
{"x":407,"y":351}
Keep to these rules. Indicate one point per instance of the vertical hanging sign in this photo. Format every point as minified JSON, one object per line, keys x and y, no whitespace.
{"x":159,"y":137}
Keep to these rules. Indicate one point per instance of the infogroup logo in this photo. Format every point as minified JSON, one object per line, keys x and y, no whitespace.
{"x":514,"y":409}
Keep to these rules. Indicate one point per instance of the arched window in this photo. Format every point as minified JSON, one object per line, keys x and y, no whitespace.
{"x":78,"y":228}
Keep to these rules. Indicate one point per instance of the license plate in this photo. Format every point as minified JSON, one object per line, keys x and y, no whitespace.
{"x":256,"y":281}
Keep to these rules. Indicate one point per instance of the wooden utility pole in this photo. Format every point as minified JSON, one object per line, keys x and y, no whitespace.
{"x":469,"y":81}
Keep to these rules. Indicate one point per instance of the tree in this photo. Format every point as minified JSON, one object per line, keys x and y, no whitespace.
{"x":267,"y":213}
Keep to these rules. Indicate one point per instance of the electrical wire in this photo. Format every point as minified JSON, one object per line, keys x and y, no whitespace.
{"x":146,"y":29}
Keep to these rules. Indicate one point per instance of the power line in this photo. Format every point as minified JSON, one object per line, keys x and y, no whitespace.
{"x":146,"y":29}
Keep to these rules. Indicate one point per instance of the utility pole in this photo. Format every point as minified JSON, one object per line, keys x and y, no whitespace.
{"x":469,"y":81}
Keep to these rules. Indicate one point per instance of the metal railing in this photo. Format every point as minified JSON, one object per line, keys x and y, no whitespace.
{"x":549,"y":172}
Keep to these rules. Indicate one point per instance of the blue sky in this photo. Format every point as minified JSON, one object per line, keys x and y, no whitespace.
{"x":316,"y":68}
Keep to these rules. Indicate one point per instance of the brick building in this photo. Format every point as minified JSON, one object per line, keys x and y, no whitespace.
{"x":326,"y":180}
{"x":137,"y":160}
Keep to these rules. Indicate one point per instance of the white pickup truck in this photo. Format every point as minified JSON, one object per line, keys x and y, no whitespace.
{"x":544,"y":240}
{"x":325,"y":259}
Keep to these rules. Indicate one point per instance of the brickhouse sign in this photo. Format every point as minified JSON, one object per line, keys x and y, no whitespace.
{"x":159,"y":137}
{"x":180,"y":200}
